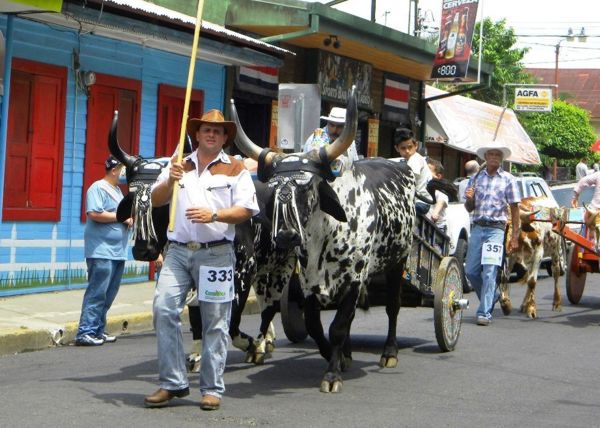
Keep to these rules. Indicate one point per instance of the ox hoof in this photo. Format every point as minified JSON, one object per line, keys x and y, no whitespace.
{"x":506,"y":306}
{"x":270,"y":347}
{"x":557,"y":308}
{"x":388,"y":362}
{"x":333,"y":387}
{"x":249,"y":358}
{"x":259,"y":359}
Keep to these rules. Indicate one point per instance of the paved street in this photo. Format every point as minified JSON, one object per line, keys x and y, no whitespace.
{"x":517,"y":372}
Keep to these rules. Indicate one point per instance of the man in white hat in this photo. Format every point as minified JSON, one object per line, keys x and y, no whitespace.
{"x":325,"y":136}
{"x":489,"y":193}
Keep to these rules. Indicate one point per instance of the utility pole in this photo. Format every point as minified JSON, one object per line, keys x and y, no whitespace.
{"x":373,"y":8}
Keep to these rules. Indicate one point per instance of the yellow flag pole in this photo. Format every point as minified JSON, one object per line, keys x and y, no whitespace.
{"x":186,"y":108}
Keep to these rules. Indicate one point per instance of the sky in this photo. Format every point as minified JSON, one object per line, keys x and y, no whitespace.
{"x":550,"y":18}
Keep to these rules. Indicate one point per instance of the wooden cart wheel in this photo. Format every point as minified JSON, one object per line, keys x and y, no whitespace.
{"x":448,"y":290}
{"x":575,"y":277}
{"x":292,"y":315}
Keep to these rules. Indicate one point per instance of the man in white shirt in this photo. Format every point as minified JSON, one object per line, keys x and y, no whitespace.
{"x":581,"y":170}
{"x":215,"y":193}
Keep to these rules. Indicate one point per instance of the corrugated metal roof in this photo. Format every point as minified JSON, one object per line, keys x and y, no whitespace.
{"x":173,"y":15}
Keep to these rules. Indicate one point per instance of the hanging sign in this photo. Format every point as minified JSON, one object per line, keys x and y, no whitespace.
{"x":456,"y":35}
{"x":533,"y":99}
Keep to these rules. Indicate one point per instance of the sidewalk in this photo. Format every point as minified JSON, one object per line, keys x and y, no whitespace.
{"x":38,"y":321}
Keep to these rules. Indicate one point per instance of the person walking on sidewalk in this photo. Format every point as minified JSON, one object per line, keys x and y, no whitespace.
{"x":105,"y":242}
{"x":488,"y":195}
{"x":215,"y":193}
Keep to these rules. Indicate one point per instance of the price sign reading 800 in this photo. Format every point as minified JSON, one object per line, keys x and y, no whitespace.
{"x":448,"y":70}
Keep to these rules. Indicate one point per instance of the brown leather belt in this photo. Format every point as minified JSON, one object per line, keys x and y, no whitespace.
{"x":194,"y":246}
{"x":487,"y":223}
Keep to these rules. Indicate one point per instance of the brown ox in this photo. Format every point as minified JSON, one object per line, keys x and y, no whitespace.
{"x":592,"y":221}
{"x":535,"y":240}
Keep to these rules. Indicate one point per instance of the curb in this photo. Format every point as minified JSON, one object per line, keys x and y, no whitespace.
{"x":27,"y":340}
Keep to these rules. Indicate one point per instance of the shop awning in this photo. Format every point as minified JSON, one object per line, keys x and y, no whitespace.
{"x":464,"y":124}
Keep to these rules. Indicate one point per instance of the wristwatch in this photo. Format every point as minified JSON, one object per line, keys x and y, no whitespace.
{"x":214,"y":217}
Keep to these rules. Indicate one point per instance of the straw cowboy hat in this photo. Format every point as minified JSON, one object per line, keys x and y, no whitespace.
{"x":213,"y":117}
{"x":493,"y":145}
{"x":336,"y":115}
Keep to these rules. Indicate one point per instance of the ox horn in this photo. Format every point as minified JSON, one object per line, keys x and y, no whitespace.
{"x":243,"y":142}
{"x":114,"y":147}
{"x":341,"y":144}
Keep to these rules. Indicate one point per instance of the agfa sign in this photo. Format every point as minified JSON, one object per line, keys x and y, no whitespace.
{"x":533,"y":99}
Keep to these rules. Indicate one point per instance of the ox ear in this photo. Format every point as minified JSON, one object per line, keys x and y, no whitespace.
{"x":329,"y":202}
{"x":125,"y":207}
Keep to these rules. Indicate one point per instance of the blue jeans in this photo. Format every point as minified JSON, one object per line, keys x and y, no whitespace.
{"x":483,"y":277}
{"x":104,"y":280}
{"x":180,"y":270}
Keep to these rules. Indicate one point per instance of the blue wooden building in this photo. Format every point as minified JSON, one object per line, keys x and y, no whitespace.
{"x":64,"y":75}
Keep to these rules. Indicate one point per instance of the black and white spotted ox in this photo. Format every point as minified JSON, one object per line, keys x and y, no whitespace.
{"x":150,"y":230}
{"x":342,"y":231}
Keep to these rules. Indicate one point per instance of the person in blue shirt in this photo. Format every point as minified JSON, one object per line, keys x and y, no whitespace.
{"x":105,"y":242}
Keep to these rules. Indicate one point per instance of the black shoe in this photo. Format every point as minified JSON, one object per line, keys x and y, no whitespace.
{"x":108,"y":339}
{"x":88,"y":340}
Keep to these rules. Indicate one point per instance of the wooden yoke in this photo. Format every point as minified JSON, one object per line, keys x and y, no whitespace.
{"x":186,"y":107}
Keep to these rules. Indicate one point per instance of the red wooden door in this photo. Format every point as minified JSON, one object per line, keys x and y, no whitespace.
{"x":170,"y":110}
{"x":35,"y":144}
{"x":107,"y":95}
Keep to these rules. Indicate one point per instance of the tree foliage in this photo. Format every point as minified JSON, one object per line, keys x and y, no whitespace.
{"x":565,"y":133}
{"x":499,"y":50}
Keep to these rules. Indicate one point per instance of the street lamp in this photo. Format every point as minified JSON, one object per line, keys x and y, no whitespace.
{"x":581,"y":37}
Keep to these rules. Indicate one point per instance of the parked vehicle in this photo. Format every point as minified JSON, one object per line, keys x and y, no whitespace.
{"x":563,"y":193}
{"x":459,"y":229}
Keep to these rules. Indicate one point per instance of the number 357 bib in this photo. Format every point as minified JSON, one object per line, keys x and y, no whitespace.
{"x":216,"y":284}
{"x":491,"y":254}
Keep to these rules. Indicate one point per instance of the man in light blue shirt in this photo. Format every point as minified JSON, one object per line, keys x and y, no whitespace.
{"x":105,"y":243}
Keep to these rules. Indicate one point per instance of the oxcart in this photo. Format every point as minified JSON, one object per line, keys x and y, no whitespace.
{"x":432,"y":279}
{"x":583,"y":257}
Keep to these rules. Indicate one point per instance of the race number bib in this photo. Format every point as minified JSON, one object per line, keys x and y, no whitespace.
{"x":492,"y":253}
{"x":215,"y":284}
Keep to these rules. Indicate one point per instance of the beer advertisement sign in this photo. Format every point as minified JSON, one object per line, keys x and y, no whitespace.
{"x":456,"y":36}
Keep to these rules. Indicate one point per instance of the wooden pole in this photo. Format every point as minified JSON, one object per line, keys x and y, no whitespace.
{"x":186,"y":107}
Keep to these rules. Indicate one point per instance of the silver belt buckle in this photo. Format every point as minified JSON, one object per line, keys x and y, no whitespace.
{"x":193,"y":246}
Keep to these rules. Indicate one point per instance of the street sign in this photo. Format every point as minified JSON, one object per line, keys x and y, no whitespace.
{"x":533,"y":99}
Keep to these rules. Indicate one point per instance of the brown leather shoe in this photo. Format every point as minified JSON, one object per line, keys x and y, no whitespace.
{"x":210,"y":402}
{"x":162,"y":397}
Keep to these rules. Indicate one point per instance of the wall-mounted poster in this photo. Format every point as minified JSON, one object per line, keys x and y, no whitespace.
{"x":337,"y":74}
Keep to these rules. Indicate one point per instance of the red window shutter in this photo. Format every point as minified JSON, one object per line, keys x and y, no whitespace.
{"x":35,"y":145}
{"x":16,"y":185}
{"x":170,"y":110}
{"x":45,"y":152}
{"x":110,"y":93}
